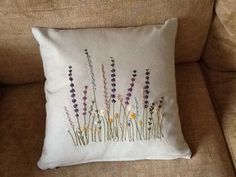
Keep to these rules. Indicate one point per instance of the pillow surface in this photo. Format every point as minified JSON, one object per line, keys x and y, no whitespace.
{"x":111,"y":95}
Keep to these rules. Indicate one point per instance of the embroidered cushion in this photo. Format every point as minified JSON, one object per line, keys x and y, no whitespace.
{"x":111,"y":95}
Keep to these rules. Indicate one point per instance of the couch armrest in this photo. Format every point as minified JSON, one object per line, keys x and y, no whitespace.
{"x":220,"y":49}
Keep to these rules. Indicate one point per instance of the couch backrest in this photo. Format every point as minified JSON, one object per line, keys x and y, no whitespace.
{"x":220,"y":51}
{"x":19,"y":55}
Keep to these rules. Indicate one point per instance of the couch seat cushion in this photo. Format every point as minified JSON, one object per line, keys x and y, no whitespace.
{"x":22,"y":130}
{"x":222,"y":86}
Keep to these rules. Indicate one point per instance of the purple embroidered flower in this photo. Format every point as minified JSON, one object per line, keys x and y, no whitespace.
{"x":129,"y":124}
{"x":69,"y":118}
{"x":106,"y":99}
{"x":72,"y":91}
{"x":85,"y":100}
{"x":161,"y":102}
{"x":130,"y":89}
{"x":151,"y":109}
{"x":91,"y":69}
{"x":113,"y":81}
{"x":150,"y":119}
{"x":146,"y":89}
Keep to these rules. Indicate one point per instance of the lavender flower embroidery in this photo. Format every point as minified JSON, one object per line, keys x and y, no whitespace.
{"x":75,"y":105}
{"x":126,"y":122}
{"x":150,"y":119}
{"x":120,"y":118}
{"x":85,"y":110}
{"x":73,"y":99}
{"x":99,"y":127}
{"x":106,"y":99}
{"x":130,"y":89}
{"x":74,"y":139}
{"x":113,"y":81}
{"x":146,"y":88}
{"x":91,"y":69}
{"x":84,"y":100}
{"x":145,"y":101}
{"x":113,"y":97}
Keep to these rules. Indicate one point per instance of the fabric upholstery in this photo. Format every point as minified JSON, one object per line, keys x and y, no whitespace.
{"x":22,"y":130}
{"x":222,"y":87}
{"x":19,"y":52}
{"x":220,"y":51}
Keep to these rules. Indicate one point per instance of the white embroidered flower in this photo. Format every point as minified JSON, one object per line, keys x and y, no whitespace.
{"x":130,"y":108}
{"x":102,"y":113}
{"x":155,"y":109}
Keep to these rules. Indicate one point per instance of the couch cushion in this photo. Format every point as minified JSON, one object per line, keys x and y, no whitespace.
{"x":220,"y":50}
{"x":223,"y":91}
{"x":22,"y":130}
{"x":19,"y":55}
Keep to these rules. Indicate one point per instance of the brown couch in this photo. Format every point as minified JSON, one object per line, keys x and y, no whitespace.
{"x":205,"y":73}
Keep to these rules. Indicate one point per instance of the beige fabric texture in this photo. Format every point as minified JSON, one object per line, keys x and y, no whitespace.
{"x":220,"y":51}
{"x":19,"y":52}
{"x":22,"y":131}
{"x":222,"y":87}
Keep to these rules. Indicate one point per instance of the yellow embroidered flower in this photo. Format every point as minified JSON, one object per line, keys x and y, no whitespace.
{"x":110,"y":119}
{"x":132,"y":115}
{"x":140,"y":122}
{"x":82,"y":129}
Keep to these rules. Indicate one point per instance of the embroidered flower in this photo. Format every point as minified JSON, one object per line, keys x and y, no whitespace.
{"x":69,"y":117}
{"x":110,"y":119}
{"x":130,"y":108}
{"x":130,"y":89}
{"x":132,"y":116}
{"x":91,"y":69}
{"x":102,"y":113}
{"x":84,"y":100}
{"x":121,"y":118}
{"x":146,"y":89}
{"x":161,"y":102}
{"x":113,"y":80}
{"x":73,"y":97}
{"x":106,"y":99}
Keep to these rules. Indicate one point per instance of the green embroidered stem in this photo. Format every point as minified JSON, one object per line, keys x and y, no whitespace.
{"x":137,"y":130}
{"x":132,"y":131}
{"x":92,"y":132}
{"x":72,"y":138}
{"x":143,"y":123}
{"x":95,"y":134}
{"x":146,"y":122}
{"x":104,"y":129}
{"x":78,"y":138}
{"x":161,"y":120}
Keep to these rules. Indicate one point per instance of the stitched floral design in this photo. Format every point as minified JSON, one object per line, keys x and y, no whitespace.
{"x":120,"y":118}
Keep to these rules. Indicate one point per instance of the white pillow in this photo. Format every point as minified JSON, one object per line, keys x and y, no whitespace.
{"x":111,"y":95}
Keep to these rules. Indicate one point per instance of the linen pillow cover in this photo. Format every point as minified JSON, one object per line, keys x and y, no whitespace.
{"x":111,"y":95}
